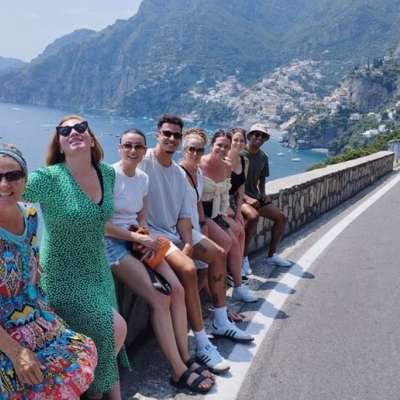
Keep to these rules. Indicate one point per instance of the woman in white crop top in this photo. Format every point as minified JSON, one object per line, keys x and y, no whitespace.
{"x":169,"y":317}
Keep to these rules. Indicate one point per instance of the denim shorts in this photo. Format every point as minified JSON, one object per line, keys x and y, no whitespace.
{"x":116,"y":250}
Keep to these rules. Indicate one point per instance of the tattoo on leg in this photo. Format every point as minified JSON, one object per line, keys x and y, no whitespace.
{"x":217,"y":278}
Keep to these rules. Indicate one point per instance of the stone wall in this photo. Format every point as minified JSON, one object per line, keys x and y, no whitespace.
{"x":304,"y":197}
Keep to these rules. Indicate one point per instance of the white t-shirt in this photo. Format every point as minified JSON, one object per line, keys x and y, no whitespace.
{"x":129,"y":192}
{"x":167,"y":196}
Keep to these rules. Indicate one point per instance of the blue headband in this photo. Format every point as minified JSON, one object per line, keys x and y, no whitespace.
{"x":19,"y":159}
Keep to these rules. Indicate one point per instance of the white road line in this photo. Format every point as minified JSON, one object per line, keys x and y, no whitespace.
{"x":241,"y":356}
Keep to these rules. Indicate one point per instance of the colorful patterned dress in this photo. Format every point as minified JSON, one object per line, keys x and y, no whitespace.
{"x":75,"y":273}
{"x":69,"y":358}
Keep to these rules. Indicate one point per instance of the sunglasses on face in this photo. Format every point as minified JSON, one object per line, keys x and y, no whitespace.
{"x":168,"y":134}
{"x":130,"y":146}
{"x":197,"y":150}
{"x":65,"y":131}
{"x":12,"y":176}
{"x":260,"y":135}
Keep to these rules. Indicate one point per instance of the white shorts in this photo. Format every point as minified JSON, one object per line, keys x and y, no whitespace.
{"x":197,"y":237}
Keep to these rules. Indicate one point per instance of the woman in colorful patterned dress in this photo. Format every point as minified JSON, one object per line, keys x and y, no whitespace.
{"x":75,"y":194}
{"x":40,"y":357}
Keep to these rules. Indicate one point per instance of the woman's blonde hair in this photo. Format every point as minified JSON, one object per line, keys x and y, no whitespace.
{"x":194,"y":133}
{"x":54,"y":154}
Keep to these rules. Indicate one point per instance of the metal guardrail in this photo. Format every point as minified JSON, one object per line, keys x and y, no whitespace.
{"x":394,"y":145}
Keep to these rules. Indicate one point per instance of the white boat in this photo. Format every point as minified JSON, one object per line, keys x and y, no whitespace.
{"x":280,"y":154}
{"x":295,"y":159}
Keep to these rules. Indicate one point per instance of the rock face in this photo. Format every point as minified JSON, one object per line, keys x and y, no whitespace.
{"x":8,"y":65}
{"x":154,"y":61}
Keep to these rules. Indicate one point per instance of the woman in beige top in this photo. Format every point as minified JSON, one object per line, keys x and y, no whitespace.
{"x":226,"y":232}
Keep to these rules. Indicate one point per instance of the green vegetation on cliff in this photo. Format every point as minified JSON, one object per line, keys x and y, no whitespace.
{"x":380,"y":143}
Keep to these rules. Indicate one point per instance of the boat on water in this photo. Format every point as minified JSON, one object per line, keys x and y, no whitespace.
{"x":295,"y":159}
{"x":280,"y":154}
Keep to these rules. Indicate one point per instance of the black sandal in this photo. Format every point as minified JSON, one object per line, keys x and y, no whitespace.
{"x":194,"y":386}
{"x":199,"y":369}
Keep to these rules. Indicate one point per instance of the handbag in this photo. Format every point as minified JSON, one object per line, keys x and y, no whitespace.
{"x":151,"y":259}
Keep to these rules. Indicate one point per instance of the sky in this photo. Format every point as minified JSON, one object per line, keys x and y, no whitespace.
{"x":28,"y":26}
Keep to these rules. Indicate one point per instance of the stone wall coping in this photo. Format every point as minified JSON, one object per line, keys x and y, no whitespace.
{"x":394,"y":141}
{"x":291,"y":182}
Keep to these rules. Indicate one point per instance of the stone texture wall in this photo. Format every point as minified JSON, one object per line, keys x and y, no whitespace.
{"x":304,"y":197}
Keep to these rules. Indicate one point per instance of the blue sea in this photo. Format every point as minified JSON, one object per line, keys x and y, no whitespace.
{"x":30,"y":129}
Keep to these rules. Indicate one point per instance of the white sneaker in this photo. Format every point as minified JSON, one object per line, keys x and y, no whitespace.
{"x":276,"y":259}
{"x":246,"y":270}
{"x":244,"y":294}
{"x":232,"y":332}
{"x":210,"y":357}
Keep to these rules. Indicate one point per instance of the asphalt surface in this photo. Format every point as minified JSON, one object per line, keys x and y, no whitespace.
{"x":341,"y":339}
{"x":336,"y":336}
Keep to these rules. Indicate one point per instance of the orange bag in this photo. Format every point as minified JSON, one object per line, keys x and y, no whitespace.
{"x":151,"y":259}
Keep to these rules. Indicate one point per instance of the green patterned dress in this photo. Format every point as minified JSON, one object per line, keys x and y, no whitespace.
{"x":76,"y":276}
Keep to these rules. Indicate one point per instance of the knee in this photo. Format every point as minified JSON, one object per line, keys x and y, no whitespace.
{"x":160,"y":302}
{"x":220,"y":253}
{"x":120,"y":331}
{"x":189,"y":272}
{"x":252,"y":218}
{"x":283,"y":219}
{"x":178,"y":293}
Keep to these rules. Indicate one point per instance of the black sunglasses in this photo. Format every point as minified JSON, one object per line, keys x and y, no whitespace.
{"x":197,"y":150}
{"x":129,"y":146}
{"x":12,"y":176}
{"x":168,"y":134}
{"x":81,"y":128}
{"x":261,"y":135}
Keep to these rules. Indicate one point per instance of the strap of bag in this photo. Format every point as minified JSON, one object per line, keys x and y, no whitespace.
{"x":192,"y":180}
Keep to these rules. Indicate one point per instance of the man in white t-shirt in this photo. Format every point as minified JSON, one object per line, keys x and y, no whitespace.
{"x":169,"y":214}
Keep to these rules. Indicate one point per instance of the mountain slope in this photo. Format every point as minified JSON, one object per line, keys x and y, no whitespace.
{"x":151,"y":62}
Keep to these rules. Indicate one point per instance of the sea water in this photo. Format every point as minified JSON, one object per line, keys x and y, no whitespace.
{"x":30,"y":129}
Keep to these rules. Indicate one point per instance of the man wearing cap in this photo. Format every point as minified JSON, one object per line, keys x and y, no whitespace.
{"x":256,"y":202}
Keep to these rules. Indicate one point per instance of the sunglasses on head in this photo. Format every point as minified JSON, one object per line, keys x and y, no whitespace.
{"x":12,"y":176}
{"x":129,"y":146}
{"x":197,"y":150}
{"x":81,"y":128}
{"x":168,"y":134}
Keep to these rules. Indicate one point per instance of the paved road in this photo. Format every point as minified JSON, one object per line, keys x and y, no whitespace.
{"x":341,"y":339}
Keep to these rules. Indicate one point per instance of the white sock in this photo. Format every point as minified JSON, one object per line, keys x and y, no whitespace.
{"x":201,"y":338}
{"x":221,"y":316}
{"x":238,"y":288}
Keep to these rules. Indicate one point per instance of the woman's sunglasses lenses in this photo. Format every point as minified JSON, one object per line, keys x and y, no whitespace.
{"x":66,"y":130}
{"x":12,"y":176}
{"x":130,"y":146}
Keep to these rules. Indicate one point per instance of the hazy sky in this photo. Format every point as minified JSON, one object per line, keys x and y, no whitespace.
{"x":28,"y":26}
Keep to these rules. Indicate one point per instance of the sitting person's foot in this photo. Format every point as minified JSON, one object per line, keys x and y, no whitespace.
{"x":246,"y":270}
{"x":210,"y":357}
{"x":230,"y":331}
{"x":277,"y":260}
{"x":192,"y":381}
{"x":234,"y":316}
{"x":244,"y":294}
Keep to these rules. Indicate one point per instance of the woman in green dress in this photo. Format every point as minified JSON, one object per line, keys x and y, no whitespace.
{"x":75,"y":194}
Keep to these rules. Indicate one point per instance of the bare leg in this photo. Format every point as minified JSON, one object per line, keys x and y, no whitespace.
{"x":215,"y":257}
{"x":280,"y":220}
{"x":178,"y":309}
{"x":251,"y":219}
{"x":184,"y":268}
{"x":132,"y":272}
